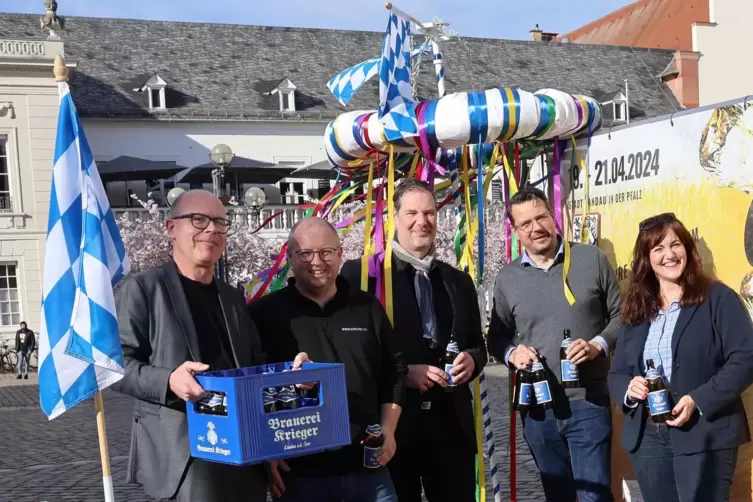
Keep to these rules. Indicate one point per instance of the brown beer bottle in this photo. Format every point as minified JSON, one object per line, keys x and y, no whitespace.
{"x":523,"y":390}
{"x":569,"y":370}
{"x":659,"y":406}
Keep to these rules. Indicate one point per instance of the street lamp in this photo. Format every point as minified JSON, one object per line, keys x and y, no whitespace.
{"x":221,"y":157}
{"x":255,"y":198}
{"x":173,"y":195}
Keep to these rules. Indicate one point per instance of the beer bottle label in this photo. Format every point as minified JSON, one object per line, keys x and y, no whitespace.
{"x":447,"y":368}
{"x":212,"y":401}
{"x":526,"y":391}
{"x":569,"y":371}
{"x":370,"y":457}
{"x":541,"y":389}
{"x":286,"y":395}
{"x":269,"y":397}
{"x":658,"y":402}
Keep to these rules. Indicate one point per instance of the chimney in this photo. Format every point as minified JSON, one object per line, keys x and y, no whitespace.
{"x":536,"y":34}
{"x":682,"y":77}
{"x":539,"y":35}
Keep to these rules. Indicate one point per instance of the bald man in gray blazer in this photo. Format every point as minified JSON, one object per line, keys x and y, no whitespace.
{"x":177,"y":320}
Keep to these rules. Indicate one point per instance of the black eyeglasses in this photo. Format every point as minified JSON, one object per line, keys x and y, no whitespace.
{"x":326,"y":254}
{"x":201,"y":221}
{"x":659,"y":219}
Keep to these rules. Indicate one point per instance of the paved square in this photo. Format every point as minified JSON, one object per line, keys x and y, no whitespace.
{"x":58,"y":460}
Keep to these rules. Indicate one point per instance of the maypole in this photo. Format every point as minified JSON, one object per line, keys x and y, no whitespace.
{"x":458,"y":136}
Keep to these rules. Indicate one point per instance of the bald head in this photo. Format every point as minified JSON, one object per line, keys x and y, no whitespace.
{"x":313,"y":227}
{"x":197,"y":201}
{"x":315,"y":256}
{"x":198,"y":229}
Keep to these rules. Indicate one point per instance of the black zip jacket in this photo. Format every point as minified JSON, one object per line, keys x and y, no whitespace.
{"x":353,"y":329}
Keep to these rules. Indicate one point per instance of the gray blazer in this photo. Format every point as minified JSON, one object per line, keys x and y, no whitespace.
{"x":158,"y":335}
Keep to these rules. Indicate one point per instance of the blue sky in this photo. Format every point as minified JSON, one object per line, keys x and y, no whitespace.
{"x":472,"y":18}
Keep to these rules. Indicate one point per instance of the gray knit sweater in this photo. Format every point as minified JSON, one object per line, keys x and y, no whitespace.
{"x":532,"y":301}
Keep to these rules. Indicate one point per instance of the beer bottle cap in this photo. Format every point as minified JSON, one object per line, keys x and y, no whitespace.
{"x":652,"y":373}
{"x":374,"y":430}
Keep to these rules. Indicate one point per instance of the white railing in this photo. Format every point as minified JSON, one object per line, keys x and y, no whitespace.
{"x":241,"y":218}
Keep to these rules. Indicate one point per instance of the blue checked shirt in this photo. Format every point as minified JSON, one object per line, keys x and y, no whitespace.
{"x":659,"y":344}
{"x":526,"y":261}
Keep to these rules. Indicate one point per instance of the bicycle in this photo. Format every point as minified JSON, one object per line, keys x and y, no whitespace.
{"x":34,"y":359}
{"x":8,"y":359}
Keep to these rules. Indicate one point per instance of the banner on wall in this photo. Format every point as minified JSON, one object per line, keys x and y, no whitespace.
{"x":698,"y":165}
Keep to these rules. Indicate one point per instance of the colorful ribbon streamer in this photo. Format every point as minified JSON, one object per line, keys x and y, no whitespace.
{"x":390,"y":237}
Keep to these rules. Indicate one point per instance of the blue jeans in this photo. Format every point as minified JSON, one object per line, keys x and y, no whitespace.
{"x":23,"y":362}
{"x":572,"y":449}
{"x":666,"y":477}
{"x":371,"y":487}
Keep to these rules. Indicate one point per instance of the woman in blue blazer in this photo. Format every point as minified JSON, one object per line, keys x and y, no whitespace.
{"x":699,"y":336}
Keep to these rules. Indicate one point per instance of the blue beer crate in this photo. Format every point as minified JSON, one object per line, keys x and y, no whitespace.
{"x":249,"y":435}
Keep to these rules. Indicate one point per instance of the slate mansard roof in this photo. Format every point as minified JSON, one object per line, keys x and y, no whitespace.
{"x":219,"y":70}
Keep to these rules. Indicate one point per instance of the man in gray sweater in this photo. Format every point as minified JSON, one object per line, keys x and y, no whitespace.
{"x":540,"y":295}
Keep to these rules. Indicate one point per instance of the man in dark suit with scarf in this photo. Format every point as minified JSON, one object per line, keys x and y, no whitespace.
{"x":434,"y":304}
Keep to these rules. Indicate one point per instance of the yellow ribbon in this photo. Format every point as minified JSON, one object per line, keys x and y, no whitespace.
{"x":367,"y":233}
{"x":414,"y":164}
{"x":565,"y":271}
{"x":466,"y":259}
{"x":513,"y":117}
{"x":586,"y":182}
{"x":510,"y":175}
{"x":390,"y":236}
{"x":342,"y":198}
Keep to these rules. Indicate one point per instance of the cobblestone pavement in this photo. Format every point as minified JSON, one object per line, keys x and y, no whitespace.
{"x":55,"y":461}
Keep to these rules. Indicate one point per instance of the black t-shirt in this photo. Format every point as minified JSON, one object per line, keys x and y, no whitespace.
{"x":211,"y":330}
{"x":353,"y":329}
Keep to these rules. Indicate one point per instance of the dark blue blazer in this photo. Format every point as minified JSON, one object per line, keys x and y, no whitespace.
{"x":712,"y":360}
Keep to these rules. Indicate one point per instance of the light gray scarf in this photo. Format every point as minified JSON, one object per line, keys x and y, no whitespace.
{"x":422,"y":285}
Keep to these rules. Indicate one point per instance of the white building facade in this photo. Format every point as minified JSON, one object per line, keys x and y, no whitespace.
{"x":28,"y":121}
{"x":723,"y":45}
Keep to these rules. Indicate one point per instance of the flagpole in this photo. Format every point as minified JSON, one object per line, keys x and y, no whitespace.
{"x":103,"y":451}
{"x":61,"y":76}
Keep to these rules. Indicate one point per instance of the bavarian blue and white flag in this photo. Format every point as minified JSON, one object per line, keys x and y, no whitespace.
{"x":79,"y":342}
{"x":396,"y":103}
{"x":345,"y":84}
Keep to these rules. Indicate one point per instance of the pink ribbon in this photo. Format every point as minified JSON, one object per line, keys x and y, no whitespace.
{"x":557,"y":182}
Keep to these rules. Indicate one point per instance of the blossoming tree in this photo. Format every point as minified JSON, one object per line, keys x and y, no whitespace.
{"x":147,"y":243}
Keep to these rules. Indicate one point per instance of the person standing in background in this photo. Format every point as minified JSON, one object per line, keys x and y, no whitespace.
{"x":571,"y":441}
{"x":435,"y":305}
{"x":25,"y":343}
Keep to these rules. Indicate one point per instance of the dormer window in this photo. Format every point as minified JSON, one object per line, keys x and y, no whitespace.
{"x":155,"y":91}
{"x":286,"y":92}
{"x":616,"y":109}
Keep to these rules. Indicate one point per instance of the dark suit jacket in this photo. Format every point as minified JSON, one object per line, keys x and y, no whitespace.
{"x":407,"y":323}
{"x":712,"y":361}
{"x":158,"y":335}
